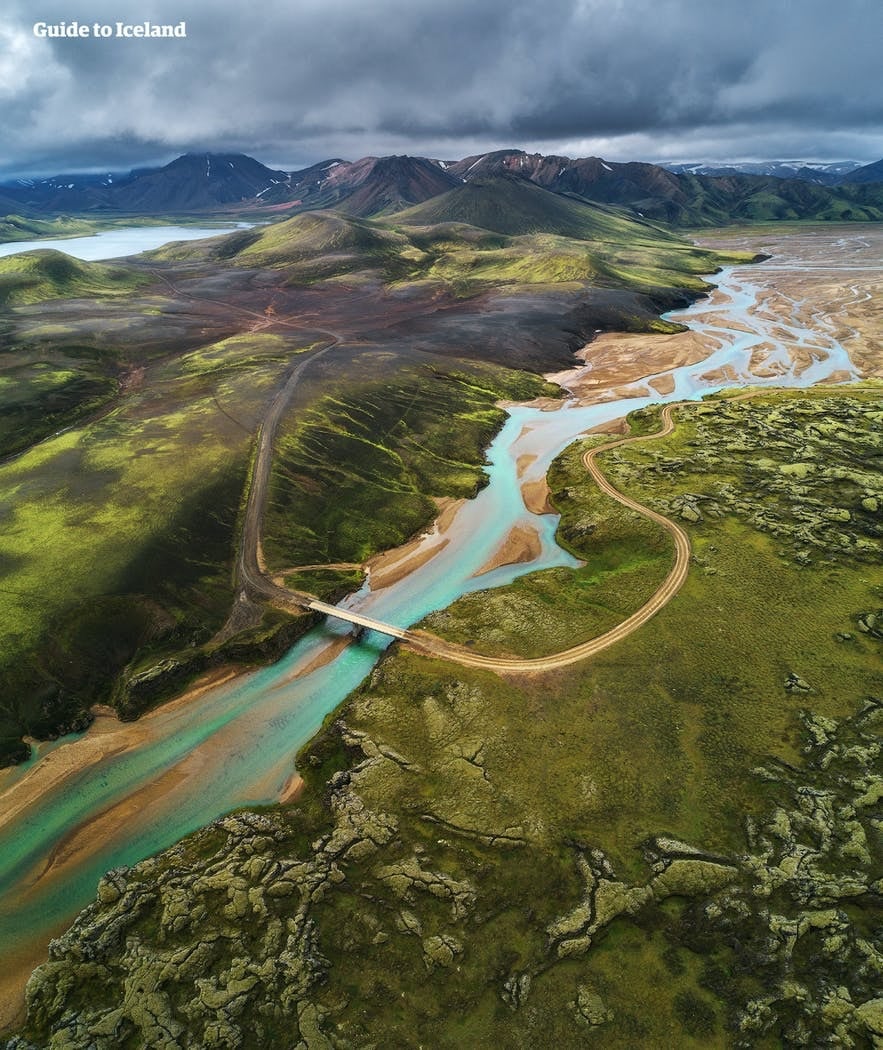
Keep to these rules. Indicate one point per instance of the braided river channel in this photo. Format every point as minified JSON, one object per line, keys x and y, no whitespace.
{"x":83,"y":805}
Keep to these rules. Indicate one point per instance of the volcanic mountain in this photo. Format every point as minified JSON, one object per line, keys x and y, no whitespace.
{"x":681,"y":199}
{"x":191,"y":183}
{"x":371,"y":186}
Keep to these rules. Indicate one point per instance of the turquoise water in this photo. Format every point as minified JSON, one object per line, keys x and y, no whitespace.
{"x":235,"y":745}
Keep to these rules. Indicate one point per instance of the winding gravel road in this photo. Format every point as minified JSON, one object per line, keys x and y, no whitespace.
{"x":430,"y":645}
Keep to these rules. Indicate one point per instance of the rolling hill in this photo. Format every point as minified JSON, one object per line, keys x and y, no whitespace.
{"x":512,"y":205}
{"x":34,"y":277}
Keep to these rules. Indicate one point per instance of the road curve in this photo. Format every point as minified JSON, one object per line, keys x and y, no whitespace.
{"x":430,"y":645}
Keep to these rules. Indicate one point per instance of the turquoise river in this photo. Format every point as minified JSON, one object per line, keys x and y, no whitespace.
{"x":233,"y":745}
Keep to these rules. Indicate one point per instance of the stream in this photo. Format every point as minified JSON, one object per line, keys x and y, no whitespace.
{"x":234,"y":745}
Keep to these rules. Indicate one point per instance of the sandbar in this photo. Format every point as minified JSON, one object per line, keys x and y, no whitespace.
{"x":521,"y":545}
{"x":389,"y":567}
{"x":536,"y":496}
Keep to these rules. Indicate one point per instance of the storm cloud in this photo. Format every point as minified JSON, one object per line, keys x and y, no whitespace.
{"x":293,"y":83}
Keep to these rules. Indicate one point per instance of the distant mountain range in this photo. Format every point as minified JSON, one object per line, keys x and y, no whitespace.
{"x":831,"y":174}
{"x":685,"y":195}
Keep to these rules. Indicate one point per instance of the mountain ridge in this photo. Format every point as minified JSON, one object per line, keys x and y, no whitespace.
{"x":373,"y":186}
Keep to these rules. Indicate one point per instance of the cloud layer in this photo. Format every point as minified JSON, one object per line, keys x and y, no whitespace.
{"x":293,"y":83}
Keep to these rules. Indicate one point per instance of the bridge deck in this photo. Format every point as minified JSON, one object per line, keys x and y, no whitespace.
{"x":353,"y":617}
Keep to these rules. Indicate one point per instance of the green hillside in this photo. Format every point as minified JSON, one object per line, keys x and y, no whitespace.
{"x":515,"y":206}
{"x":19,"y":228}
{"x":33,"y":277}
{"x":490,"y":233}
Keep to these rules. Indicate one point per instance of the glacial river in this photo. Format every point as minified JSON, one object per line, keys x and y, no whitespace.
{"x":234,"y":745}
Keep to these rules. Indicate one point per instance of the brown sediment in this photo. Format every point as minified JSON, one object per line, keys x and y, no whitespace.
{"x":18,"y":965}
{"x":521,"y":545}
{"x":390,"y":567}
{"x":447,"y":511}
{"x":615,"y":358}
{"x":624,"y":393}
{"x":724,"y":374}
{"x":330,"y":652}
{"x":615,"y":426}
{"x":106,"y":737}
{"x":292,"y":789}
{"x":851,"y":301}
{"x":523,"y":462}
{"x":663,"y":384}
{"x":536,"y":496}
{"x":722,"y":321}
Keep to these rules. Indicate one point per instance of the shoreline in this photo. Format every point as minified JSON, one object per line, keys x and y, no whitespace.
{"x":392,"y":566}
{"x":106,"y":736}
{"x":520,"y":546}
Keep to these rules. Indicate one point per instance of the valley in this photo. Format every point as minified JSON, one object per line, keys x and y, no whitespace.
{"x":400,"y":364}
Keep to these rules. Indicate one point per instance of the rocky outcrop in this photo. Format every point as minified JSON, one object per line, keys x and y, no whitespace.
{"x":817,"y":487}
{"x":195,"y":953}
{"x":233,"y":937}
{"x":804,"y":923}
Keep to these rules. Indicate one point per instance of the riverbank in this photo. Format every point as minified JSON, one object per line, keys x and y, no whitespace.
{"x":433,"y":849}
{"x":477,"y":530}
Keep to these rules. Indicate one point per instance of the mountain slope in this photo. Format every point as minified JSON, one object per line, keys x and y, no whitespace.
{"x":870,"y":173}
{"x":514,"y":206}
{"x":371,"y":186}
{"x":826,"y":174}
{"x":681,"y":199}
{"x":196,"y":182}
{"x":193,"y":182}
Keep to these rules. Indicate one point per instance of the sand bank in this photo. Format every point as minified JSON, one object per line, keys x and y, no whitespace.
{"x":521,"y":545}
{"x":391,"y":566}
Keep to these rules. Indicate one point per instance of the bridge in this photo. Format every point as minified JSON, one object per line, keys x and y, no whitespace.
{"x":357,"y":618}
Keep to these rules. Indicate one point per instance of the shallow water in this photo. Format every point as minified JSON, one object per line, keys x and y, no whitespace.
{"x":126,"y":240}
{"x":235,"y":745}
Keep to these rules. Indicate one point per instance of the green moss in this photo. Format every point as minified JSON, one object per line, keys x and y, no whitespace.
{"x":118,"y":534}
{"x":330,"y":585}
{"x":35,"y":276}
{"x":354,"y":473}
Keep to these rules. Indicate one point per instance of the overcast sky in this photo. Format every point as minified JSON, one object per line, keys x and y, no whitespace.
{"x":296,"y":81}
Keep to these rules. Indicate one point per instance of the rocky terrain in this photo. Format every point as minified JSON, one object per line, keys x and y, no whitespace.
{"x":817,"y":489}
{"x":674,"y":846}
{"x":220,"y":942}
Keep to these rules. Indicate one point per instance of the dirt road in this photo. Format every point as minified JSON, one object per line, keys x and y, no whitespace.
{"x":430,"y":645}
